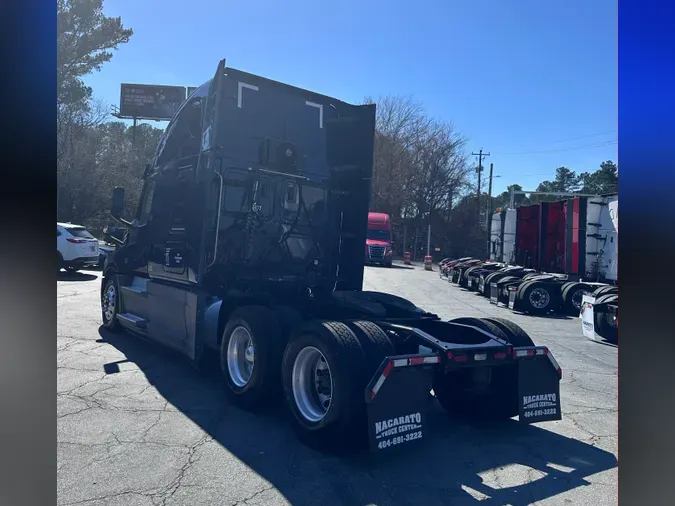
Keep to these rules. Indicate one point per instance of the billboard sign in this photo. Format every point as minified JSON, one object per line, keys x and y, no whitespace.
{"x":148,"y":101}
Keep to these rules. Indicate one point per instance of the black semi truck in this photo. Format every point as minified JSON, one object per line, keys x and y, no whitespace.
{"x":248,"y":242}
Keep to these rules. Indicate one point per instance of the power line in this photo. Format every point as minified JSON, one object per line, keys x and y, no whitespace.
{"x":578,"y":148}
{"x":584,"y":136}
{"x":581,"y":137}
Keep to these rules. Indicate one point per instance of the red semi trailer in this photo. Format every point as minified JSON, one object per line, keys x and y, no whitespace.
{"x":570,"y":246}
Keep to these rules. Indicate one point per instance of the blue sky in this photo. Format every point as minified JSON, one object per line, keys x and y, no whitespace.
{"x":532,"y":82}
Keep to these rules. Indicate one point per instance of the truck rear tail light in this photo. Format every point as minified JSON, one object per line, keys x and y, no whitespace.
{"x":75,"y":241}
{"x":500,"y":355}
{"x":461,"y":358}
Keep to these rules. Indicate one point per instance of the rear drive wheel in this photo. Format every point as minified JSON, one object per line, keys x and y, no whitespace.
{"x":324,"y":377}
{"x":375,"y":343}
{"x":536,"y":297}
{"x":572,"y":295}
{"x":110,"y":303}
{"x":604,"y":290}
{"x":514,"y":334}
{"x":482,"y":324}
{"x":59,"y":262}
{"x":605,"y":321}
{"x":250,"y":356}
{"x":605,"y":325}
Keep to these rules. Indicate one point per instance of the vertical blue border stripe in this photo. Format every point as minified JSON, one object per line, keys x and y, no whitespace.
{"x":646,"y":106}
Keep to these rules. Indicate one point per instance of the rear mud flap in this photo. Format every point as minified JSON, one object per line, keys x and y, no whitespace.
{"x":494,"y":293}
{"x":538,"y":391}
{"x":512,"y":298}
{"x":397,"y":414}
{"x":587,"y":317}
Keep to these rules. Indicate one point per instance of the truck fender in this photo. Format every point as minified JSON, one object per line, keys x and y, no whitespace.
{"x":212,"y":329}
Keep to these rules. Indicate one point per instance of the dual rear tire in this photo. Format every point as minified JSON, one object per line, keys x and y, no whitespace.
{"x":321,"y":372}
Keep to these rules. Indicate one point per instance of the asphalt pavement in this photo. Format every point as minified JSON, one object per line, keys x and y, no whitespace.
{"x":138,"y":426}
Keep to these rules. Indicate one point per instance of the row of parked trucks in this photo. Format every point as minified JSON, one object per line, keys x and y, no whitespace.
{"x":552,"y":257}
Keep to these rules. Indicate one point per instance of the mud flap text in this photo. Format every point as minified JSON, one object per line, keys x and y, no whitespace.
{"x":397,"y":415}
{"x":538,"y":391}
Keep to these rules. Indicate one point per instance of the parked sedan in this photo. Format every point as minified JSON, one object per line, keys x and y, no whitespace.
{"x":76,"y":248}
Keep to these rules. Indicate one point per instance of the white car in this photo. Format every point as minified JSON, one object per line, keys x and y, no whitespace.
{"x":76,"y":248}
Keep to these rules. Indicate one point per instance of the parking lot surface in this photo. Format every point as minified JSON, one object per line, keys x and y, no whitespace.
{"x":138,"y":426}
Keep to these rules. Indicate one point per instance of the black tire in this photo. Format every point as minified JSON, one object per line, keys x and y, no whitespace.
{"x":534,"y":291}
{"x":603,"y":290}
{"x":497,"y":402}
{"x":110,"y":322}
{"x":607,"y":298}
{"x":572,"y":294}
{"x":389,"y":264}
{"x":374,"y":341}
{"x":59,"y":262}
{"x":344,"y":422}
{"x":514,"y":334}
{"x":602,"y":326}
{"x":265,"y":334}
{"x":71,"y":269}
{"x":482,"y":324}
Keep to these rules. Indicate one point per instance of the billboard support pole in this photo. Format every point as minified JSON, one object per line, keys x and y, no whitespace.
{"x":133,"y":133}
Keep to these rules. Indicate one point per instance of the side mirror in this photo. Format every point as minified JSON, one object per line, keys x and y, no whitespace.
{"x":117,"y":205}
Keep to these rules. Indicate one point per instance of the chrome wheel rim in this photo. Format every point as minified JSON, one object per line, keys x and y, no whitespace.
{"x":109,"y":300}
{"x":240,"y":356}
{"x":312,"y":384}
{"x":577,"y":297}
{"x":539,"y":298}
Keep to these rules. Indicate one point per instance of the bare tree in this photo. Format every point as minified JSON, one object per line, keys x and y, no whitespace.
{"x":401,"y":124}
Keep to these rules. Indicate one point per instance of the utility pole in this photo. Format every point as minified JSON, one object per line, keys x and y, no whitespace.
{"x":429,"y":240}
{"x":488,"y":214}
{"x":480,"y":156}
{"x":405,"y":238}
{"x":489,"y":199}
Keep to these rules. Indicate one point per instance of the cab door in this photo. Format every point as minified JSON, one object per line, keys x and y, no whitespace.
{"x":173,"y":299}
{"x":178,"y":205}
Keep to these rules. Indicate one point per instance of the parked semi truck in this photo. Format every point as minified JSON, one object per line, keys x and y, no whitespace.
{"x":248,"y":242}
{"x":378,"y":240}
{"x":564,"y":250}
